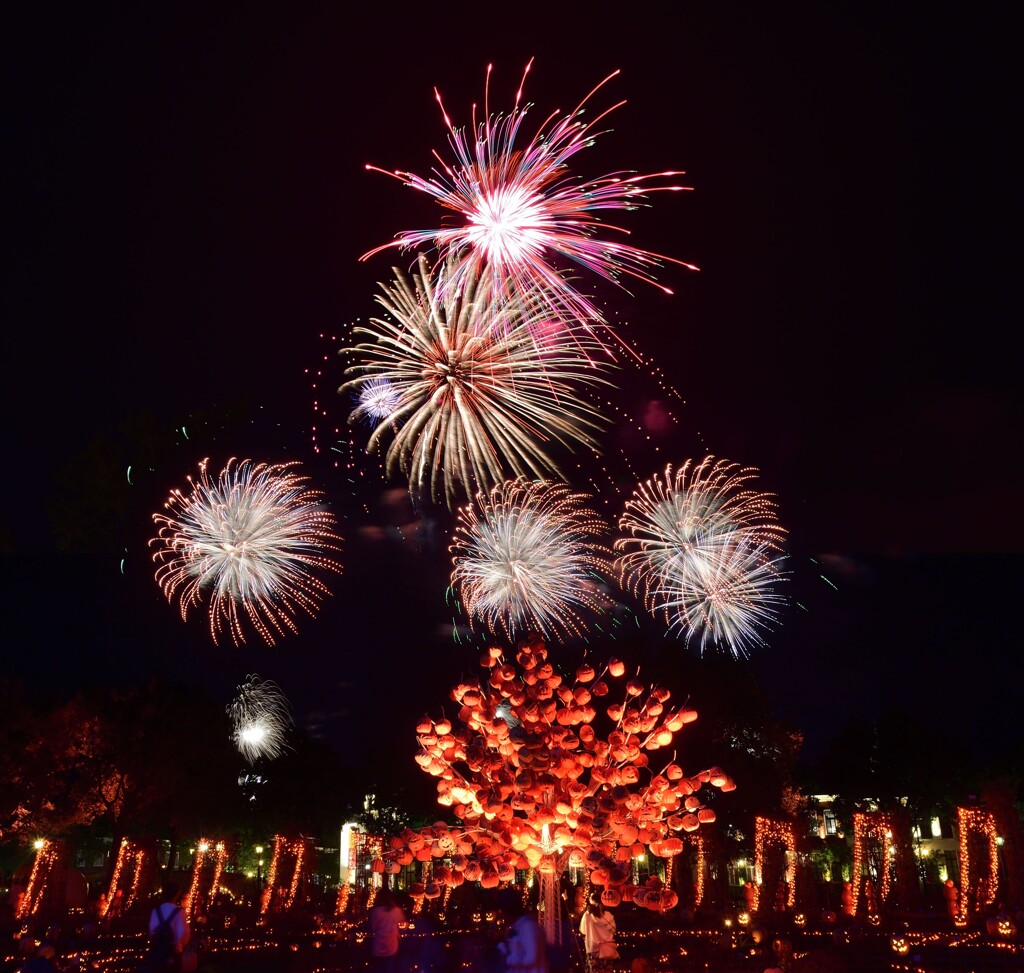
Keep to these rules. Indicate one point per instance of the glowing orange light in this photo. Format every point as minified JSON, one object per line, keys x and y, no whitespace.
{"x":768,"y":832}
{"x":878,"y":826}
{"x":973,"y":819}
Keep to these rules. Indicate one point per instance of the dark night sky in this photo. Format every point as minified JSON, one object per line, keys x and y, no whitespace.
{"x":186,"y":205}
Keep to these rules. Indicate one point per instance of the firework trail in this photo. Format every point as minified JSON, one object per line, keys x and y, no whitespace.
{"x":260,"y":718}
{"x":251,"y":541}
{"x":701,"y":547}
{"x":528,"y":556}
{"x":480,"y":387}
{"x":520,"y":214}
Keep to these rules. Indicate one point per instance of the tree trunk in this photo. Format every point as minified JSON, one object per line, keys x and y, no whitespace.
{"x":551,"y":907}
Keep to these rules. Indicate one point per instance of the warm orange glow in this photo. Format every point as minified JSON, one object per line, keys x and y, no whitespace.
{"x":197,"y":900}
{"x":47,"y":868}
{"x":879,"y":826}
{"x":768,"y":832}
{"x":697,"y":840}
{"x":974,"y":819}
{"x":132,"y":857}
{"x":295,"y":853}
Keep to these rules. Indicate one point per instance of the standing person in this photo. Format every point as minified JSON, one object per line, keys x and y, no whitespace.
{"x":524,"y":946}
{"x":386,"y":920}
{"x":168,"y":932}
{"x":598,"y":928}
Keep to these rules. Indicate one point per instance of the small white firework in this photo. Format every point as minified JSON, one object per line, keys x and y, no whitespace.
{"x":260,"y":718}
{"x":378,"y":399}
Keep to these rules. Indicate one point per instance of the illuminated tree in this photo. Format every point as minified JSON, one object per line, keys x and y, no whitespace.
{"x":534,"y":786}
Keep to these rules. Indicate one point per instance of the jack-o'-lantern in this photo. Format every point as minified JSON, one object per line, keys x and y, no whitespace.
{"x":900,"y":944}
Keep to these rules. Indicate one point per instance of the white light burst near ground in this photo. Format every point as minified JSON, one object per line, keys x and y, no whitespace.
{"x":260,"y":718}
{"x":528,"y":556}
{"x":481,"y":388}
{"x":251,"y":543}
{"x":703,"y":548}
{"x":522,"y":217}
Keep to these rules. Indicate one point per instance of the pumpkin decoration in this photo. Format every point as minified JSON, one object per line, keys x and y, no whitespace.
{"x":532,"y":784}
{"x":900,"y":944}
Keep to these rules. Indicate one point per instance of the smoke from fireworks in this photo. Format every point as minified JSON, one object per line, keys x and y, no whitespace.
{"x":251,"y":542}
{"x":480,"y":387}
{"x":260,"y":718}
{"x":519,"y":207}
{"x":702,"y":548}
{"x":527,"y":556}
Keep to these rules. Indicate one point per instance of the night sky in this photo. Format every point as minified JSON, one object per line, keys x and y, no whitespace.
{"x":186,"y":204}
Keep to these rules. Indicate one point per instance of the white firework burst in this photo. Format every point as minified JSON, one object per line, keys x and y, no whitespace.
{"x":481,"y":388}
{"x":252,"y":542}
{"x":703,"y":549}
{"x":528,"y":557}
{"x":377,"y":399}
{"x":260,"y":718}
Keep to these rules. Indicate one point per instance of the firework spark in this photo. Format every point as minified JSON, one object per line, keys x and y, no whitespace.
{"x":377,"y":399}
{"x":528,"y":557}
{"x":260,"y":718}
{"x":477,"y":392}
{"x":250,"y":540}
{"x":520,"y":212}
{"x":702,"y":548}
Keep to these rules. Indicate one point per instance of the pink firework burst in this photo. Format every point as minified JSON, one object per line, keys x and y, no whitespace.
{"x":520,"y":211}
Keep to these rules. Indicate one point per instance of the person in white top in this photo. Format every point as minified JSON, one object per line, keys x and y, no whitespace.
{"x":598,"y":928}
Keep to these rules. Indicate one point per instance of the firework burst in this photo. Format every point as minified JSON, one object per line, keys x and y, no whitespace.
{"x":251,"y":541}
{"x":260,"y":718}
{"x":521,"y":214}
{"x":479,"y":387}
{"x":702,"y":548}
{"x":528,"y":556}
{"x":377,"y":399}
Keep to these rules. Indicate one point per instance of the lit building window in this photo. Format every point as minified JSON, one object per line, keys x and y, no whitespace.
{"x":936,"y":828}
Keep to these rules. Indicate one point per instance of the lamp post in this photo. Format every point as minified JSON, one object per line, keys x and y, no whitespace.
{"x":259,"y":868}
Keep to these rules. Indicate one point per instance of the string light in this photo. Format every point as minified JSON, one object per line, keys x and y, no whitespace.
{"x":128,"y":852}
{"x":768,"y":832}
{"x":195,"y":892}
{"x":880,"y":826}
{"x":295,"y":851}
{"x":974,"y":819}
{"x":697,"y":841}
{"x":47,"y":874}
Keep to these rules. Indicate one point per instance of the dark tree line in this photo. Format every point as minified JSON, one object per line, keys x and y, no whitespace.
{"x":155,"y":759}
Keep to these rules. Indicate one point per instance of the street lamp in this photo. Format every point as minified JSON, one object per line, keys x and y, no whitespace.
{"x":259,"y":868}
